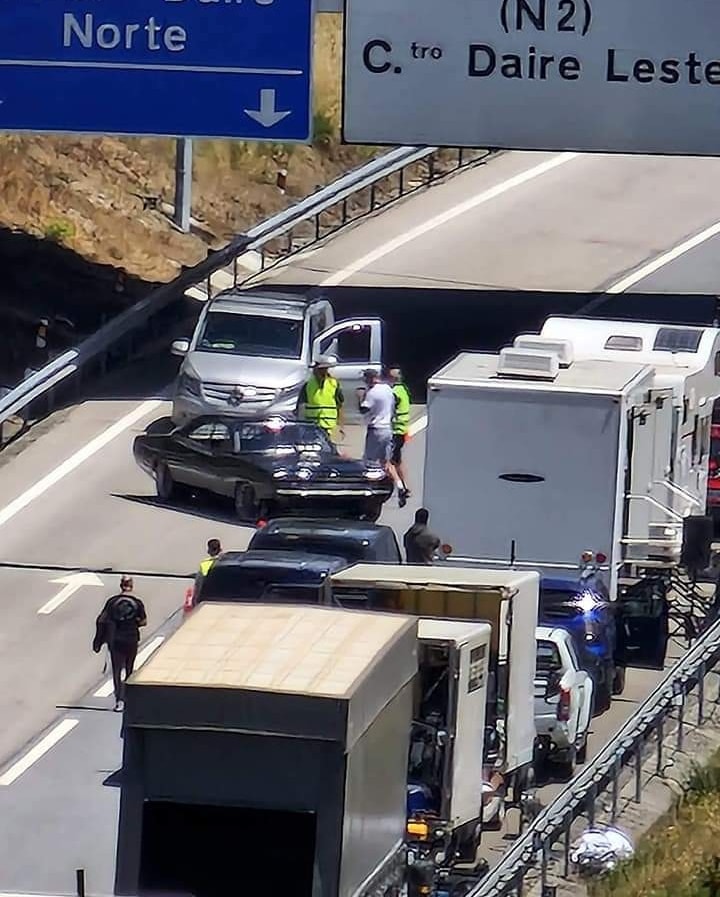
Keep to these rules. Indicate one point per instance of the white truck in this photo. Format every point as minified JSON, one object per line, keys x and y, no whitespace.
{"x":252,"y":350}
{"x":507,"y":601}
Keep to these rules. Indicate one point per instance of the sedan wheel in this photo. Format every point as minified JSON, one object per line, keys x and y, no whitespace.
{"x":164,"y":483}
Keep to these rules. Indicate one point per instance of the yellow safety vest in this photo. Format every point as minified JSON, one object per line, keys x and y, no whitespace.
{"x":206,"y":565}
{"x":401,"y":418}
{"x":321,"y":402}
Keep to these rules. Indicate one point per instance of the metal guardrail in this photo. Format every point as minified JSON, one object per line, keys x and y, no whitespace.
{"x":351,"y":197}
{"x":530,"y":855}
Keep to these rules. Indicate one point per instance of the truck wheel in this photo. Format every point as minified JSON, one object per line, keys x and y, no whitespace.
{"x":164,"y":483}
{"x":619,"y":681}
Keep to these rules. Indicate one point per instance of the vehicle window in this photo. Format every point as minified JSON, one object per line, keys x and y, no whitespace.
{"x":347,"y":549}
{"x":351,"y":346}
{"x":285,"y":439}
{"x":238,"y":334}
{"x":547,"y":659}
{"x":318,"y":323}
{"x":624,"y":343}
{"x":669,"y":339}
{"x":717,"y":364}
{"x":212,"y":434}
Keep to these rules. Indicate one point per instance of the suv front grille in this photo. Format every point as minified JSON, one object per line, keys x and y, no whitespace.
{"x":232,"y":395}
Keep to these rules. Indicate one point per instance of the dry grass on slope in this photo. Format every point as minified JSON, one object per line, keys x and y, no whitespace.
{"x":87,"y":192}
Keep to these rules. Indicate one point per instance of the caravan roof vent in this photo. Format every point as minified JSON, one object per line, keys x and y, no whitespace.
{"x":514,"y":362}
{"x":563,"y":348}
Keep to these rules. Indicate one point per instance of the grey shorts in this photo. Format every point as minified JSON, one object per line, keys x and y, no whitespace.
{"x":378,"y":445}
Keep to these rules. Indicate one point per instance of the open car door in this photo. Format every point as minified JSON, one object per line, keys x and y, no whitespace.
{"x":642,"y":625}
{"x":357,"y":345}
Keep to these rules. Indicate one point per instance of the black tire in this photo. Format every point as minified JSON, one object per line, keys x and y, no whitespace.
{"x":164,"y":483}
{"x":371,"y":511}
{"x":247,"y":506}
{"x":581,"y":752}
{"x":618,"y":686}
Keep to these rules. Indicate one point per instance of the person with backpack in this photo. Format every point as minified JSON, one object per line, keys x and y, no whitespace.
{"x":118,"y":627}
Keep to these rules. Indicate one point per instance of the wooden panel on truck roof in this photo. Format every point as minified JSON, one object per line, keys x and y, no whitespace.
{"x":441,"y":576}
{"x":583,"y":375}
{"x":287,"y":649}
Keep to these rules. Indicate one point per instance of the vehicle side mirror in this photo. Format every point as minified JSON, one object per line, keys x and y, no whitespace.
{"x":180,"y":347}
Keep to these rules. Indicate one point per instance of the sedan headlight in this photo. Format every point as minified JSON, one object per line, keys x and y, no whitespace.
{"x":279,"y":474}
{"x":188,"y":384}
{"x":303,"y":473}
{"x":375,"y":473}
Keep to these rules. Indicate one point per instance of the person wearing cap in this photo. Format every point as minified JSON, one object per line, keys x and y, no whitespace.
{"x":118,"y":626}
{"x":377,"y":404}
{"x":321,"y":398}
{"x":400,"y":429}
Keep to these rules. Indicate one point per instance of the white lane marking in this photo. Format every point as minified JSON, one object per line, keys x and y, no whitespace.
{"x":444,"y":217}
{"x":38,"y":751}
{"x":106,"y":689}
{"x":651,"y":267}
{"x":80,"y":456}
{"x":73,"y":583}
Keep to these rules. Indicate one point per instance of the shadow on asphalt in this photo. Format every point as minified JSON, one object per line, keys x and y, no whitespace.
{"x":211,"y":508}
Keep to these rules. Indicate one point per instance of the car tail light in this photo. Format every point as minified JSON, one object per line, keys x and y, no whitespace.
{"x":600,"y":557}
{"x":563,"y":709}
{"x":261,"y":524}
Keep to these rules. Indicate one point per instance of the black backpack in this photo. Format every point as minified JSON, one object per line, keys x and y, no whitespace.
{"x":124,"y":609}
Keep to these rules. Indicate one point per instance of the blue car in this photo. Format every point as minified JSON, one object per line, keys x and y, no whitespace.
{"x":584,"y":609}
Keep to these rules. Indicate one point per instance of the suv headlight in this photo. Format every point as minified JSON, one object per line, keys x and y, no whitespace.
{"x":188,"y":384}
{"x":375,"y":473}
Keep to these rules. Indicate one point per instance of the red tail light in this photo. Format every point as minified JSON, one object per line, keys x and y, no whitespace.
{"x":563,"y":709}
{"x":261,"y":524}
{"x":600,"y":557}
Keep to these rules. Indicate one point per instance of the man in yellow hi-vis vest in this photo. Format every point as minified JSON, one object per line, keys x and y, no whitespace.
{"x":400,"y":428}
{"x":214,"y":550}
{"x":321,"y":398}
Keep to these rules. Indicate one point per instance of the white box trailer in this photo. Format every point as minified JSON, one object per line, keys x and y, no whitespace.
{"x":530,"y":463}
{"x":506,"y":599}
{"x":686,"y":361}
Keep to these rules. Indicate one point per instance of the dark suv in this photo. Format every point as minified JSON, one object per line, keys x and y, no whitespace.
{"x":354,"y":540}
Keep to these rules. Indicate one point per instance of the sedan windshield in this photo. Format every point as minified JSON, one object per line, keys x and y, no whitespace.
{"x":287,"y":439}
{"x":251,"y":335}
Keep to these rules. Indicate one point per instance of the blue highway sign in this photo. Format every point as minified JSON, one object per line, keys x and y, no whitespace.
{"x":172,"y":68}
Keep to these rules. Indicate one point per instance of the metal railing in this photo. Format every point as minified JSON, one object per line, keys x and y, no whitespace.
{"x":623,"y":761}
{"x":353,"y":196}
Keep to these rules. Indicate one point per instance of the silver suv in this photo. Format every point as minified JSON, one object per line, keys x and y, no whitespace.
{"x":251,"y":353}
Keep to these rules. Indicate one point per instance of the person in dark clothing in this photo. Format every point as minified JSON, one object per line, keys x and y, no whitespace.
{"x":118,"y":627}
{"x":420,"y":542}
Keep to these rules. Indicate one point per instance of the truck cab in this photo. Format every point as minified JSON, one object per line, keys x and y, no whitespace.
{"x":252,"y":351}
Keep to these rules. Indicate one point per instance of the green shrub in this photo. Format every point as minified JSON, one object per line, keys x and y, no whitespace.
{"x":324,"y":131}
{"x":59,"y":229}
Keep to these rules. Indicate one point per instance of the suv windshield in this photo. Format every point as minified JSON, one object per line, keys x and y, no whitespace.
{"x":238,"y":334}
{"x":245,"y":584}
{"x":346,"y":548}
{"x":286,"y":439}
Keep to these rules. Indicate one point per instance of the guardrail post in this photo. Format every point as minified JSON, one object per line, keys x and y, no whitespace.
{"x":566,"y":848}
{"x":544,"y":866}
{"x":660,"y":735}
{"x":616,"y":776}
{"x":344,"y":211}
{"x":401,"y":182}
{"x":701,"y":695}
{"x":290,"y":242}
{"x":638,"y":773}
{"x":591,"y":798}
{"x":372,"y":197}
{"x":681,"y":722}
{"x":431,"y":168}
{"x":460,"y":157}
{"x":317,"y":226}
{"x":80,"y":882}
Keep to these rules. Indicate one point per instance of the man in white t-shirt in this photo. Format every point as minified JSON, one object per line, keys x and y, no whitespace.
{"x":377,"y":403}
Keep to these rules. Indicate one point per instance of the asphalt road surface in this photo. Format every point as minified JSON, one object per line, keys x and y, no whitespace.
{"x":73,"y":497}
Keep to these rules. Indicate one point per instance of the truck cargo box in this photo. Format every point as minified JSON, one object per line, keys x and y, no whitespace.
{"x":266,"y":752}
{"x":506,"y":599}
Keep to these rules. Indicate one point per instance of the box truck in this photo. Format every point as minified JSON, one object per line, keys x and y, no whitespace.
{"x":504,"y":599}
{"x":266,"y":751}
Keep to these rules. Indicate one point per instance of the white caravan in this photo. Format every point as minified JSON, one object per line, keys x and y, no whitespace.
{"x":530,"y":463}
{"x":686,"y":361}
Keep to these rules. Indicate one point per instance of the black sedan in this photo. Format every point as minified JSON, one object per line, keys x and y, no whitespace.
{"x":266,"y":467}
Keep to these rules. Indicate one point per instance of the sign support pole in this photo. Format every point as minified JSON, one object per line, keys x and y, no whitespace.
{"x":183,"y":182}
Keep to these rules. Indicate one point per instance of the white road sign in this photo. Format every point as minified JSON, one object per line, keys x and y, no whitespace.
{"x":594,"y":75}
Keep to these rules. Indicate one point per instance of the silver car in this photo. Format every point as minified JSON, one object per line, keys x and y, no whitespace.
{"x":252,"y":351}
